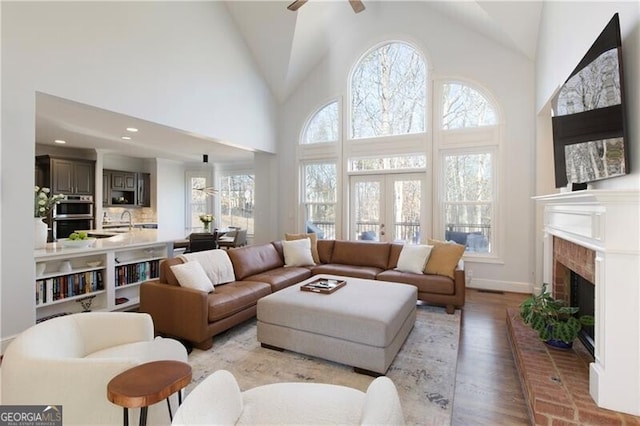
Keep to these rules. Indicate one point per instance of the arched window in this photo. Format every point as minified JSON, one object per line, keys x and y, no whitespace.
{"x":463,"y":107}
{"x":388,"y":92}
{"x":323,"y":126}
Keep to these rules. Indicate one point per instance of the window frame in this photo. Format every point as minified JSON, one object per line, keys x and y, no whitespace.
{"x":189,"y":204}
{"x":235,"y":172}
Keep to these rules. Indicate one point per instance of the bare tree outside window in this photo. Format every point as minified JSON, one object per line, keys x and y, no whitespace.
{"x":323,"y":126}
{"x":388,"y":92}
{"x":237,"y":201}
{"x":468,"y":199}
{"x":319,"y":198}
{"x":464,"y":107}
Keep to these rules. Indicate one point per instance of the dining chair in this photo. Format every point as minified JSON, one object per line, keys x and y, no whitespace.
{"x":238,"y":240}
{"x":200,"y":241}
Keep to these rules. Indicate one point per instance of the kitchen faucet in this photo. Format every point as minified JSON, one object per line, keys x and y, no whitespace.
{"x":122,"y":216}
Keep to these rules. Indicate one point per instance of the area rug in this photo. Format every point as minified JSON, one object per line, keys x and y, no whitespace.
{"x":424,"y":371}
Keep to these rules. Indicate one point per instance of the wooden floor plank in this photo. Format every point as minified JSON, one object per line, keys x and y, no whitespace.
{"x":488,"y":390}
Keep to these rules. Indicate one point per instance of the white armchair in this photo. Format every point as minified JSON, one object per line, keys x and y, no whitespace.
{"x":69,"y":361}
{"x":219,"y":401}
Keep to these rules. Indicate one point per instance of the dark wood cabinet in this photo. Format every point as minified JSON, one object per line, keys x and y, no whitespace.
{"x":67,"y":176}
{"x":123,"y":181}
{"x":121,"y":188}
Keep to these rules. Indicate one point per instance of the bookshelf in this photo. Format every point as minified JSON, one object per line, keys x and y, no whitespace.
{"x":95,"y":279}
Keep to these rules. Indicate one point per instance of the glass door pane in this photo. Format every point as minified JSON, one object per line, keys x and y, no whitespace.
{"x":366,"y":207}
{"x":406,"y":209}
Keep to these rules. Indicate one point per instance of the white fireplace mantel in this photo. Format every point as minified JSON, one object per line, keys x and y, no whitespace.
{"x":606,"y":221}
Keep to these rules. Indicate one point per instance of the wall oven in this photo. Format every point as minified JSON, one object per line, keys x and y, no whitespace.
{"x":74,"y":212}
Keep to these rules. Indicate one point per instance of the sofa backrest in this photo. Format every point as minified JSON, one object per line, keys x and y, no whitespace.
{"x":166,"y":274}
{"x":325,"y":250}
{"x":394,"y":255}
{"x":361,"y":253}
{"x":251,"y":260}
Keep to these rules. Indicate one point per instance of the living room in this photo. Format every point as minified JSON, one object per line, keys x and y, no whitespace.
{"x":188,"y":66}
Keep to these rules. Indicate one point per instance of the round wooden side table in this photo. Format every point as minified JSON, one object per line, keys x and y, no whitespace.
{"x":147,"y":384}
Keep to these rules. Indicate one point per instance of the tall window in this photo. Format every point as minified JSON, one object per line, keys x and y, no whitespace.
{"x":236,"y":201}
{"x":319,"y":183}
{"x":468,"y":199}
{"x":468,"y":174}
{"x":323,"y":126}
{"x":388,"y":92}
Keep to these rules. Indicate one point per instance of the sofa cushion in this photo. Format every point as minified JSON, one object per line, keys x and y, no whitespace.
{"x":280,"y":278}
{"x":360,"y":253}
{"x":444,"y":258}
{"x":314,"y":243}
{"x":426,"y":283}
{"x":297,"y":252}
{"x":368,"y":272}
{"x":413,"y":258}
{"x":192,"y":275}
{"x":234,"y":297}
{"x":251,"y":260}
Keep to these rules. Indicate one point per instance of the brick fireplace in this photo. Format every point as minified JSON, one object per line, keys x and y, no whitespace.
{"x":596,"y":233}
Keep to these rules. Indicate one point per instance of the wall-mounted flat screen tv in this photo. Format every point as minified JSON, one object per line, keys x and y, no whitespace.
{"x":589,"y":127}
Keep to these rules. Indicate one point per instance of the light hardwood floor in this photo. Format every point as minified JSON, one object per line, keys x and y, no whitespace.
{"x":488,"y":389}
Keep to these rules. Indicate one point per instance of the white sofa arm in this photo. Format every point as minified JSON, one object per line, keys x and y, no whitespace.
{"x":215,"y":401}
{"x":382,"y":404}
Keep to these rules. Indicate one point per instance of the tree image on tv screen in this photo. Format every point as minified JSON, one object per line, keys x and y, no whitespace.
{"x":595,"y":160}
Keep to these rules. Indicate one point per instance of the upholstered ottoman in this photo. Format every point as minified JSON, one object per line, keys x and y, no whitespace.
{"x":362,"y":324}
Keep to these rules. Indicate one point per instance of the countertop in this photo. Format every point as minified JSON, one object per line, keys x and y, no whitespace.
{"x":131,"y":239}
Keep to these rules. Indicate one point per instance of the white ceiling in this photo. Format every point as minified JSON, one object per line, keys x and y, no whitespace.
{"x":286,"y":46}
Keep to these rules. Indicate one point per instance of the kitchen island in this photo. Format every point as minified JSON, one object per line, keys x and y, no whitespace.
{"x":104,"y":276}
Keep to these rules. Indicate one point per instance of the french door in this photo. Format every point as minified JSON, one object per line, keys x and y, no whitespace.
{"x":387,"y":207}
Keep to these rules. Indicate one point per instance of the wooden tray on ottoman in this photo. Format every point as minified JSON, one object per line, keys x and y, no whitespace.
{"x":323,"y":285}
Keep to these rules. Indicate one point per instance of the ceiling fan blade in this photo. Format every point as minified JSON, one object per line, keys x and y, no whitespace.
{"x":357,"y":5}
{"x":296,"y":5}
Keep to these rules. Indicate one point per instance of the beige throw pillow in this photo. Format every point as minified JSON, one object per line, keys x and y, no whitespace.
{"x":444,"y":258}
{"x":314,"y":243}
{"x":297,"y":252}
{"x":413,"y":258}
{"x":192,"y":275}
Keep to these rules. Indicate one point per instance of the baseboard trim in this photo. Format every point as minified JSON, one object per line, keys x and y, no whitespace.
{"x":495,"y":285}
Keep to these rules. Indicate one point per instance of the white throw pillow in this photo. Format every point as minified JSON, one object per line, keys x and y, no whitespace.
{"x":297,"y":252}
{"x":192,"y":275}
{"x":413,"y":258}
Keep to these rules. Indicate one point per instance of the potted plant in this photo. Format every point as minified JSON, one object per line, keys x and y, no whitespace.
{"x":555,"y":323}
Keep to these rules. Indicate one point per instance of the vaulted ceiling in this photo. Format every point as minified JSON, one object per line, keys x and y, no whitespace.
{"x":287,"y":45}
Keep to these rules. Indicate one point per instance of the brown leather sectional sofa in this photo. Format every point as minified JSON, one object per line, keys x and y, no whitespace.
{"x":196,"y":316}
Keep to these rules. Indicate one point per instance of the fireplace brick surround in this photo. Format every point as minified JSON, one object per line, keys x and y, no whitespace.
{"x":595,"y":233}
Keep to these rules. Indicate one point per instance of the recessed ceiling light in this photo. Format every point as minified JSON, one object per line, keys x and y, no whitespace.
{"x":126,"y":138}
{"x":132,"y":129}
{"x":60,"y":141}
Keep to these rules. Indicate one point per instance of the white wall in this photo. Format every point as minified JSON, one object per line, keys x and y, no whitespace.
{"x":179,"y":64}
{"x":452,"y":51}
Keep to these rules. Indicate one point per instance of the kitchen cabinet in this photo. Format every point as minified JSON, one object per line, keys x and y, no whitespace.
{"x":123,"y":181}
{"x":121,"y":188}
{"x":67,"y":176}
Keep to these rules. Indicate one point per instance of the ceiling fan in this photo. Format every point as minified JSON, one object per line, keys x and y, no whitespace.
{"x":356,"y":5}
